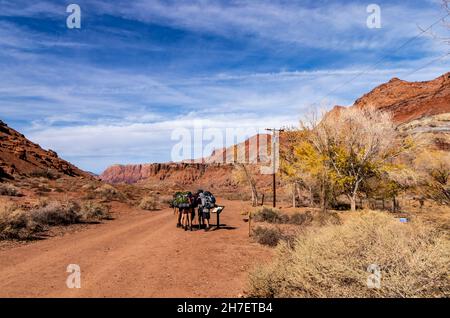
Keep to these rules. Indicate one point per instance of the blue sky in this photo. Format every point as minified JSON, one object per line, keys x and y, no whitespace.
{"x":114,"y":90}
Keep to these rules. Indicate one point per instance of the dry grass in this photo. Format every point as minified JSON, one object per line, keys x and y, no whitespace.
{"x":332,"y":261}
{"x":149,"y":203}
{"x":109,"y":193}
{"x":301,"y":218}
{"x":89,"y":186}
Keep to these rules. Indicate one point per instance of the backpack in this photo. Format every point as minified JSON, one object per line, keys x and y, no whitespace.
{"x":182,"y":200}
{"x":210,"y":200}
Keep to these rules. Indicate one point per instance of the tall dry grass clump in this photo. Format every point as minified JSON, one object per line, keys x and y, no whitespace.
{"x":109,"y":193}
{"x":149,"y":203}
{"x":332,"y":261}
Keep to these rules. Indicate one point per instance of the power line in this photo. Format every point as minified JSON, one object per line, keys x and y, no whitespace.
{"x":383,"y":58}
{"x":427,"y":64}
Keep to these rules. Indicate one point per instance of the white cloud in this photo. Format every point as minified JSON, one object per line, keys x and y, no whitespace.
{"x":96,"y":116}
{"x":337,"y":26}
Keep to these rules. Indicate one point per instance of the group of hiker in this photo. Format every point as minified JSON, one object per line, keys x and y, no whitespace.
{"x":185,"y":205}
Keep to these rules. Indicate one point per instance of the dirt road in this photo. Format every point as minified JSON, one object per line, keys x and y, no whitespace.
{"x":140,"y":254}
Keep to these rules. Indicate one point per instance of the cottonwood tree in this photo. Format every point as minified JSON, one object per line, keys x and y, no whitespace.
{"x":434,"y":167}
{"x":353,"y":146}
{"x":292,"y":172}
{"x":302,"y":164}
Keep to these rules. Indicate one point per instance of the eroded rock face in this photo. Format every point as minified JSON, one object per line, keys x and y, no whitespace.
{"x":19,"y":156}
{"x":171,"y":174}
{"x":417,"y":107}
{"x":408,"y":101}
{"x":433,"y":130}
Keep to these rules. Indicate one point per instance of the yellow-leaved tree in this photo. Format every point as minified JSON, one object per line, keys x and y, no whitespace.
{"x":345,"y":150}
{"x":434,"y":167}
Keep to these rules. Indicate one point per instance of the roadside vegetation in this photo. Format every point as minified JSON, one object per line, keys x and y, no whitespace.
{"x":332,"y":261}
{"x":357,"y":161}
{"x":149,"y":203}
{"x":18,"y":222}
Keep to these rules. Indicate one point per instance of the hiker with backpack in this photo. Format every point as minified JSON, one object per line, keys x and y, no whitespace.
{"x":207,"y":201}
{"x":183,"y":201}
{"x":184,"y":204}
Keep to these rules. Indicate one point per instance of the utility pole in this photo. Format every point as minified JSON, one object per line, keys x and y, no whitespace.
{"x":275,"y":144}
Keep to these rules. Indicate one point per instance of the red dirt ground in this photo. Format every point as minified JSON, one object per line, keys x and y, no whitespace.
{"x":140,"y":254}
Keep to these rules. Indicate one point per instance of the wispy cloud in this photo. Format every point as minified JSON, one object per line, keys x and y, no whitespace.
{"x":115,"y":90}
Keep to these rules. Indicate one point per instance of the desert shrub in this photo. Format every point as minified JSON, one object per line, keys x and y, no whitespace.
{"x":268,"y":215}
{"x":43,"y":188}
{"x":90,"y":196}
{"x":275,"y":216}
{"x":283,"y":218}
{"x":9,"y":189}
{"x":108,"y":193}
{"x":57,"y":213}
{"x":45,"y":173}
{"x":91,"y":211}
{"x":301,"y":218}
{"x":149,"y":203}
{"x":267,"y":236}
{"x":89,"y":187}
{"x":328,"y":217}
{"x":16,"y":223}
{"x":332,"y":261}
